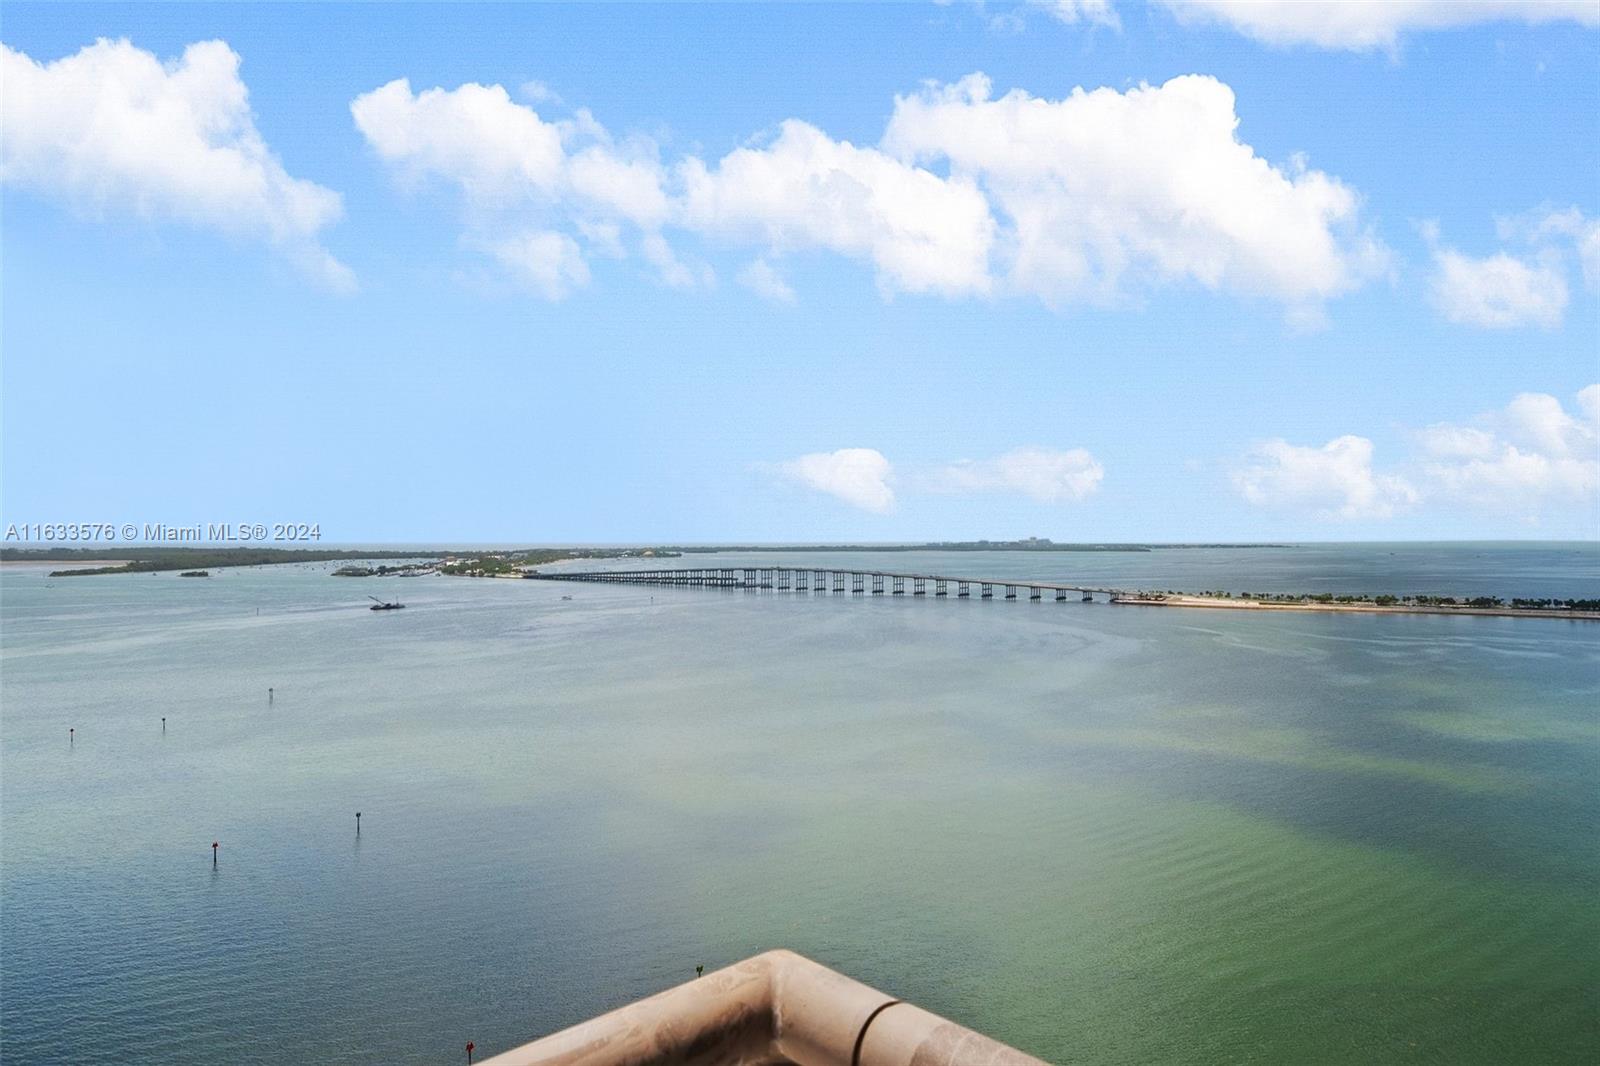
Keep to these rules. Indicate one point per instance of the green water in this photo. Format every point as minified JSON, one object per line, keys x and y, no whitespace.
{"x":1102,"y":834}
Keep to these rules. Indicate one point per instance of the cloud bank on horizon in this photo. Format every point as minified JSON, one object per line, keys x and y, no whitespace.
{"x":865,"y":479}
{"x":1335,"y":24}
{"x":1516,"y":460}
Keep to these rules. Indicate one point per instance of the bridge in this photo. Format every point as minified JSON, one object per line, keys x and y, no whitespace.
{"x":835,"y":581}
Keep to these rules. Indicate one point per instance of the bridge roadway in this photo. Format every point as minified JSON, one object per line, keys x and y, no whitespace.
{"x":812,"y":579}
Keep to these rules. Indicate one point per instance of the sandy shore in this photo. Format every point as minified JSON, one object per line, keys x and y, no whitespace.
{"x":1354,"y":608}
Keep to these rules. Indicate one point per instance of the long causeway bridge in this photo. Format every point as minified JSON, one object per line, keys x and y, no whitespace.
{"x":828,"y":580}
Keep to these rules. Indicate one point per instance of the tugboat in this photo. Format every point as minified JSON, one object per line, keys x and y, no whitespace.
{"x":381,"y":605}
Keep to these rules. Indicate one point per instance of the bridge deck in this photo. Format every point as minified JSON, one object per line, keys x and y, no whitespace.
{"x":798,"y":578}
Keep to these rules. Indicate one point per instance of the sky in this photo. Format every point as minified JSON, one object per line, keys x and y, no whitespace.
{"x":1092,"y":270}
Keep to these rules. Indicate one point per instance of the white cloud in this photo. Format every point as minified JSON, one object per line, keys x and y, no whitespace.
{"x":803,"y":190}
{"x":1506,"y":290}
{"x":1105,"y":190}
{"x":1498,"y":291}
{"x":1336,"y":480}
{"x":1072,"y":12}
{"x":547,"y":262}
{"x":921,"y":232}
{"x":1589,"y":403}
{"x":1445,"y":441}
{"x":474,"y":135}
{"x":674,"y":271}
{"x":1368,"y":24}
{"x":538,"y":92}
{"x":499,"y":151}
{"x":1548,"y":226}
{"x":862,"y":476}
{"x":628,"y":188}
{"x":858,"y":476}
{"x":112,"y":128}
{"x":1526,"y":456}
{"x":1538,"y":420}
{"x":1038,"y":473}
{"x":1098,"y":196}
{"x":519,"y":171}
{"x":1526,"y":459}
{"x":761,"y":278}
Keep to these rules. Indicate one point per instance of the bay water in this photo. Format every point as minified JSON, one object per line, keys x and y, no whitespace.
{"x":1100,"y":833}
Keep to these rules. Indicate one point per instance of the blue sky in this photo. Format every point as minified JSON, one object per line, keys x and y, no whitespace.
{"x":734,"y":272}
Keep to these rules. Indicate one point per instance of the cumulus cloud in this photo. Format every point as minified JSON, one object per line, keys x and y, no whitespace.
{"x":1368,"y":25}
{"x":547,"y":262}
{"x":1097,"y":196}
{"x":673,"y":270}
{"x":1531,"y":457}
{"x":518,"y":170}
{"x":1585,"y":233}
{"x":858,"y":476}
{"x":760,"y":277}
{"x":1552,"y":229}
{"x":1090,"y":12}
{"x":1105,"y":190}
{"x":1524,"y":287}
{"x":113,"y":128}
{"x":1498,"y":291}
{"x":920,"y":232}
{"x":1335,"y":480}
{"x":1517,"y":459}
{"x":862,"y":477}
{"x":474,"y":136}
{"x":1038,"y":473}
{"x":1445,"y":441}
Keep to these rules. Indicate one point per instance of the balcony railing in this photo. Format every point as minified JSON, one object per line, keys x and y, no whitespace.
{"x":771,"y":1009}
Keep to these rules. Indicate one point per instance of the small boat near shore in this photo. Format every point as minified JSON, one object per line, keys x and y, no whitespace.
{"x":385,"y":605}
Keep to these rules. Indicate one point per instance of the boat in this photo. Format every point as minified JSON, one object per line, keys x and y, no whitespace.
{"x":383,"y":605}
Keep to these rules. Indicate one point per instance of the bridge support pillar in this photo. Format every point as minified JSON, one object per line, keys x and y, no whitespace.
{"x":963,"y":590}
{"x":919,"y":586}
{"x":986,"y":591}
{"x":1011,"y":592}
{"x":899,"y":584}
{"x":939,"y":589}
{"x":877,"y":584}
{"x":1088,"y":597}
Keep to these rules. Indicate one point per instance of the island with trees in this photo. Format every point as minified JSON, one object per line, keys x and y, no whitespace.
{"x":405,"y":561}
{"x":1549,"y":607}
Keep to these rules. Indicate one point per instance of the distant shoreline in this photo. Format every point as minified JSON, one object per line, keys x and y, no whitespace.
{"x":1217,"y":602}
{"x":23,"y":563}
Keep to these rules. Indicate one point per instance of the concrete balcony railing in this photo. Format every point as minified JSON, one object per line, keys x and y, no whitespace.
{"x":775,"y":1008}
